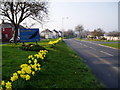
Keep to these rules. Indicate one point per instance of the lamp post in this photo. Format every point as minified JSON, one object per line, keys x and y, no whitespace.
{"x":63,"y":18}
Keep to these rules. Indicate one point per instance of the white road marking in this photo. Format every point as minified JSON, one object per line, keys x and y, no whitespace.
{"x":85,"y":45}
{"x":80,"y":43}
{"x":105,"y":62}
{"x":92,"y":48}
{"x":106,"y":53}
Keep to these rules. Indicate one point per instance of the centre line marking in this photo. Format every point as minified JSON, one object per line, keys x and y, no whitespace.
{"x":80,"y":43}
{"x":92,"y":48}
{"x":106,"y":53}
{"x":85,"y":45}
{"x":104,"y":61}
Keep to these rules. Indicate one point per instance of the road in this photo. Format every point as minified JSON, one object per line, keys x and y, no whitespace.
{"x":103,"y":61}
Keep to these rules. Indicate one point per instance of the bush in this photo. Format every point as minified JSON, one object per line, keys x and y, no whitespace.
{"x":32,"y":47}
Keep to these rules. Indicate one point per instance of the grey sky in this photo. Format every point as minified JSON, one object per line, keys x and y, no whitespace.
{"x":91,"y":15}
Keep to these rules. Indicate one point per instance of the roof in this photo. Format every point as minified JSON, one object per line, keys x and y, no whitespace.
{"x":46,"y":30}
{"x":55,"y":31}
{"x":60,"y":31}
{"x":9,"y":25}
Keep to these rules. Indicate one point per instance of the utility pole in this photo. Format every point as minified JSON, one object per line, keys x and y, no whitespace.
{"x":63,"y":18}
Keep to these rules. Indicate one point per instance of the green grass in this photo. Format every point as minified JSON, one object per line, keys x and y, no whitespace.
{"x":98,"y":40}
{"x":114,"y":45}
{"x":63,"y":69}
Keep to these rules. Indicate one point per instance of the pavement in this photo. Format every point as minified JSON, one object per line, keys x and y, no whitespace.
{"x":103,"y":61}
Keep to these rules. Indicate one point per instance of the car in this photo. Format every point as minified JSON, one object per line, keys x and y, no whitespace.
{"x":12,"y":39}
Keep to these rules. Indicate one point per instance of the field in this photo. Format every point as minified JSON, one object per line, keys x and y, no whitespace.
{"x":63,"y":68}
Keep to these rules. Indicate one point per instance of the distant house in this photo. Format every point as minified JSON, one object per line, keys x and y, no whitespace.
{"x":91,"y":36}
{"x":47,"y":34}
{"x":60,"y":33}
{"x":55,"y":34}
{"x":7,"y":31}
{"x":113,"y":36}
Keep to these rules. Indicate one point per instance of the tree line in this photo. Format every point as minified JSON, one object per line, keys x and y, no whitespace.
{"x":80,"y":32}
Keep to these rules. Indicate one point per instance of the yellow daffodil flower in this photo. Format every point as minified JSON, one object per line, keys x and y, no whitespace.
{"x":36,"y":69}
{"x":19,"y":72}
{"x":35,"y":61}
{"x":23,"y":76}
{"x":33,"y":73}
{"x":39,"y":68}
{"x":30,"y":56}
{"x":8,"y":85}
{"x":27,"y":77}
{"x":3,"y":83}
{"x":29,"y":61}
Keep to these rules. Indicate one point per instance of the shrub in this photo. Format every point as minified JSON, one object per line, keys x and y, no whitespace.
{"x":32,"y":47}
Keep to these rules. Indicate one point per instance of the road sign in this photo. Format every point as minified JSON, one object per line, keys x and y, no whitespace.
{"x":29,"y":35}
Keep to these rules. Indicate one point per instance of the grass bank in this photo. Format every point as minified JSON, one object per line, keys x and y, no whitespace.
{"x":114,"y":45}
{"x":64,"y":69}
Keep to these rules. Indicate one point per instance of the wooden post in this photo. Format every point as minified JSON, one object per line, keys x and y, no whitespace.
{"x":36,"y":43}
{"x":23,"y":43}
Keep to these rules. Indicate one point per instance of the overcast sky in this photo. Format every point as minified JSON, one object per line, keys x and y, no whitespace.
{"x":91,"y":15}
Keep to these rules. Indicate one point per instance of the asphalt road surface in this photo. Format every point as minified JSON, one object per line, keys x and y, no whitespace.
{"x":103,"y":61}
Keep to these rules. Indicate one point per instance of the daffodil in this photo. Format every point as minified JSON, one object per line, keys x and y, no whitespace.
{"x":12,"y":79}
{"x":34,"y":66}
{"x":29,"y":61}
{"x":39,"y":68}
{"x":23,"y":65}
{"x":3,"y":83}
{"x":35,"y":61}
{"x":26,"y":69}
{"x":8,"y":85}
{"x":30,"y":56}
{"x":14,"y":74}
{"x":23,"y":76}
{"x":36,"y":69}
{"x":27,"y":77}
{"x":19,"y":72}
{"x":1,"y":88}
{"x":22,"y":72}
{"x":38,"y":65}
{"x":33,"y":73}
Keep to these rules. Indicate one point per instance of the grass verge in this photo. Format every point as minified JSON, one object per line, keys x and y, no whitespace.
{"x":64,"y":69}
{"x":98,"y":40}
{"x":114,"y":45}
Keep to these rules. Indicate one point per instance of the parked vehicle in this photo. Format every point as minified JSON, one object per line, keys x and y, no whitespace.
{"x":12,"y":39}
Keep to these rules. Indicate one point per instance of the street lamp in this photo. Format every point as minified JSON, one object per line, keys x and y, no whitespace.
{"x":63,"y":18}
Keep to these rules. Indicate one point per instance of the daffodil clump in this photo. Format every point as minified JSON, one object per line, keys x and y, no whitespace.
{"x":51,"y":43}
{"x":27,"y":70}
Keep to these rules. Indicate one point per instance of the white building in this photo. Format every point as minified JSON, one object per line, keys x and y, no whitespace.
{"x":47,"y":34}
{"x":112,"y":38}
{"x":55,"y":34}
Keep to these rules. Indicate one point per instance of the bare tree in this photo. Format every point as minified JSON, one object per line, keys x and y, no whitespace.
{"x":79,"y":29}
{"x":69,"y":33}
{"x":16,"y":12}
{"x":98,"y":32}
